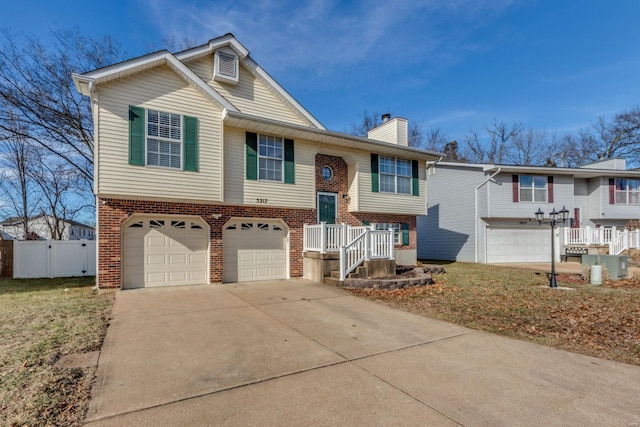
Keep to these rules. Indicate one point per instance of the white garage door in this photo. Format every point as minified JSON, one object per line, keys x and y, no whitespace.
{"x":254,"y":249}
{"x":165,"y":251}
{"x":518,"y":244}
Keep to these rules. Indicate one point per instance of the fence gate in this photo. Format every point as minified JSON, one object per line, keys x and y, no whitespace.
{"x":6,"y":259}
{"x":54,"y":258}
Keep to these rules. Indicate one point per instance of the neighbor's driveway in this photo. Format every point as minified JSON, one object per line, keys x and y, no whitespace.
{"x":300,"y":353}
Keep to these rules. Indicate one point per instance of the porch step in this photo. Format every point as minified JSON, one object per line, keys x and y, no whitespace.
{"x":332,"y":281}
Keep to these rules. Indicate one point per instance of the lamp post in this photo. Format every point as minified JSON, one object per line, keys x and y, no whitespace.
{"x":553,"y":221}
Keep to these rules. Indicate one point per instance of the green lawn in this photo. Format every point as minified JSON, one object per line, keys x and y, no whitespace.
{"x":40,"y":321}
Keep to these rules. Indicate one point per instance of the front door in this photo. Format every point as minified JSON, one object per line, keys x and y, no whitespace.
{"x":327,"y":207}
{"x":576,"y":218}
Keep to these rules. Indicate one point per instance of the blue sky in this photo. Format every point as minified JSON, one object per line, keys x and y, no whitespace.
{"x":448,"y":64}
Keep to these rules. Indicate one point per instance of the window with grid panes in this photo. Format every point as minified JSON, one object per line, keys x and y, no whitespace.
{"x":164,"y":139}
{"x":533,"y":188}
{"x":628,"y":191}
{"x":395,"y":175}
{"x":270,"y":158}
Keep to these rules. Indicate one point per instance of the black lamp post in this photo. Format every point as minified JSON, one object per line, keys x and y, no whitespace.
{"x":553,"y":221}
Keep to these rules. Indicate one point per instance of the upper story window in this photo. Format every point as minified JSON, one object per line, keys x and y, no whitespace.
{"x":164,"y":139}
{"x":395,"y":175}
{"x":533,"y":188}
{"x":627,"y":191}
{"x":270,"y":158}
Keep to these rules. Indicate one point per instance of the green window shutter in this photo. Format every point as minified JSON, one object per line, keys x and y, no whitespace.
{"x":190,"y":144}
{"x":405,"y":234}
{"x":415,"y":183}
{"x":375,"y":183}
{"x":136,"y":136}
{"x":252,"y":155}
{"x":289,"y":163}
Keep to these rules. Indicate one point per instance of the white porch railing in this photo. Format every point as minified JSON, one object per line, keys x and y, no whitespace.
{"x":618,"y":240}
{"x":355,"y":244}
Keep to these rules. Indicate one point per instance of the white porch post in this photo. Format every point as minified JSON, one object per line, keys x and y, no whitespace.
{"x":367,"y":245}
{"x":392,"y":242}
{"x":588,"y":238}
{"x":344,"y":239}
{"x":343,"y":263}
{"x":323,"y":237}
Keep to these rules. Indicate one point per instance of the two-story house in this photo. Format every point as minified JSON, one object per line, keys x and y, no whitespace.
{"x":485,"y":212}
{"x":207,"y":170}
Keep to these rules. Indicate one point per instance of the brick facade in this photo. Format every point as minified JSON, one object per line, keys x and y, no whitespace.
{"x":113,"y":212}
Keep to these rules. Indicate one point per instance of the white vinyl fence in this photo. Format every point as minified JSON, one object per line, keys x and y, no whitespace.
{"x":54,"y":258}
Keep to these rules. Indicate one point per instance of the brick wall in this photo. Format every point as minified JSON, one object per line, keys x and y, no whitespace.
{"x":113,"y":212}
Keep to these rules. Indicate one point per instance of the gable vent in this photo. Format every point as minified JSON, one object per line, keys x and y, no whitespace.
{"x":226,"y":67}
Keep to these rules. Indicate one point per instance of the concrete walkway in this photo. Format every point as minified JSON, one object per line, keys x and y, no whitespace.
{"x":300,"y":353}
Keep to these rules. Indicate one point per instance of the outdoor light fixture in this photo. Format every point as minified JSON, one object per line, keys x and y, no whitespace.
{"x":554,"y":219}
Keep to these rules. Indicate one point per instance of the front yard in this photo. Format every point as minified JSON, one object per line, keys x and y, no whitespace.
{"x":41,"y":321}
{"x":601,"y":321}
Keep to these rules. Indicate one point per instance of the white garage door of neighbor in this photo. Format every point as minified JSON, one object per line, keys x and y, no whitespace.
{"x":254,"y":249}
{"x":165,"y":251}
{"x":518,"y":244}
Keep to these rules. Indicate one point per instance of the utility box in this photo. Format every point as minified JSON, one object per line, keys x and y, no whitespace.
{"x":616,"y":265}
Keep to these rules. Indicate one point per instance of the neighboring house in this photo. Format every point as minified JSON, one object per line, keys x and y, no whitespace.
{"x":485,"y":213}
{"x":206,"y":171}
{"x":40,"y":227}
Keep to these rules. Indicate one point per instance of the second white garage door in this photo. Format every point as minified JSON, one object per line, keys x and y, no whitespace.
{"x":254,"y":249}
{"x":510,"y":244}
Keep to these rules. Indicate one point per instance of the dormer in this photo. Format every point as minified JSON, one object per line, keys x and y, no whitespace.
{"x":226,"y":66}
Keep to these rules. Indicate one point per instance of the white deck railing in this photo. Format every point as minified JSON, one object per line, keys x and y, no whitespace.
{"x":355,"y":244}
{"x":618,"y":240}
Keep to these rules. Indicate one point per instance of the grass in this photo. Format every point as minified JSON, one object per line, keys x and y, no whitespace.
{"x":600,"y":321}
{"x":40,"y":321}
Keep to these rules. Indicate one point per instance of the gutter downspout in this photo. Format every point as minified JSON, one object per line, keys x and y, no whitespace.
{"x":476,"y":211}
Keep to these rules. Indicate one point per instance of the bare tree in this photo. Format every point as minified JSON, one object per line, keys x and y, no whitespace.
{"x":435,"y":140}
{"x":60,"y":187}
{"x":530,"y":147}
{"x":620,"y":137}
{"x":451,"y":154}
{"x":36,"y":90}
{"x":19,"y":199}
{"x":495,"y":147}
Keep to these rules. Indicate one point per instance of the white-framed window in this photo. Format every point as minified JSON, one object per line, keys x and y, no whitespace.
{"x":395,"y":175}
{"x":270,"y":158}
{"x":533,"y":188}
{"x":627,"y":191}
{"x":164,"y":139}
{"x":397,"y":237}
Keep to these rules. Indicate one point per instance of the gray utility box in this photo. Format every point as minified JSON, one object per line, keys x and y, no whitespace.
{"x":616,"y":265}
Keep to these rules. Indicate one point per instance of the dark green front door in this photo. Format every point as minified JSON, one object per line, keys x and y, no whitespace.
{"x":327,"y":204}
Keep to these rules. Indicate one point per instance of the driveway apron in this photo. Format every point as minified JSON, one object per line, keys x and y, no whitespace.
{"x":301,"y":353}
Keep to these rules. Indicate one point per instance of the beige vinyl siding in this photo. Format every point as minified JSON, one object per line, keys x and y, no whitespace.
{"x":391,"y":203}
{"x":163,"y":90}
{"x":252,"y":95}
{"x":239,"y":190}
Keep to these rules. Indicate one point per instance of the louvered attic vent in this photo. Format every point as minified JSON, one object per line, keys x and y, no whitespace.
{"x":226,"y":67}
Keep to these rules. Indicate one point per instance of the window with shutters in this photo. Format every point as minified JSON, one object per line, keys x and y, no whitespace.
{"x":533,"y":188}
{"x":395,"y":175}
{"x":270,"y":158}
{"x":164,"y":139}
{"x":627,"y":191}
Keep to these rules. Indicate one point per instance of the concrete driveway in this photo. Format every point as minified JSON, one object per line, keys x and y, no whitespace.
{"x":301,"y":353}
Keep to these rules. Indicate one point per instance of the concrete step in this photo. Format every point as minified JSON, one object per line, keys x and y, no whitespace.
{"x":353,"y":276}
{"x":332,"y":281}
{"x":335,"y":274}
